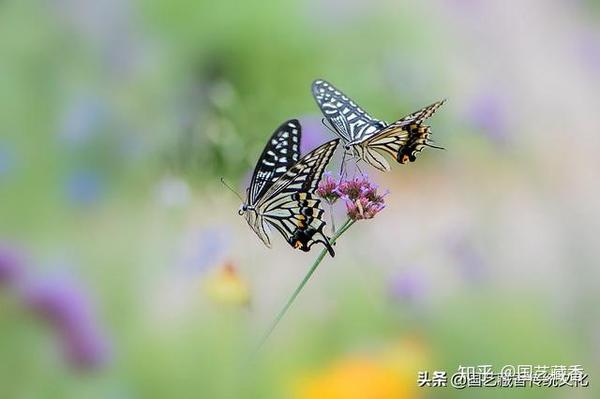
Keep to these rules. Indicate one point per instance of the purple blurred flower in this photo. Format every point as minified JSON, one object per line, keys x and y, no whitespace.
{"x":313,"y":134}
{"x":84,"y":187}
{"x":361,"y":198}
{"x":328,"y":188}
{"x":408,"y":286}
{"x":589,"y":49}
{"x":487,"y":112}
{"x":66,"y":307}
{"x":11,"y":265}
{"x":470,"y":261}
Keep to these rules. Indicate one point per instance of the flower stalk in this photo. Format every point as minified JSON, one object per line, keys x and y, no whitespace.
{"x":362,"y":202}
{"x":349,"y":222}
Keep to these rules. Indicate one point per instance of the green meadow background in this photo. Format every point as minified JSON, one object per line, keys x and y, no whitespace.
{"x":126,"y":272}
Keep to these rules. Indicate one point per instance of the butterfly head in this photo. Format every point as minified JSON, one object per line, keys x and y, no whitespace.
{"x":245,"y":208}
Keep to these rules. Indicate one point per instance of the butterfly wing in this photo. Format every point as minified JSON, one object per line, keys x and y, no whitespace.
{"x":281,"y":152}
{"x":403,"y":139}
{"x":350,"y":121}
{"x":289,"y":205}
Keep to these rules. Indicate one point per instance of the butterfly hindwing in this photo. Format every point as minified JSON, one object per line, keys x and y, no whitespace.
{"x":349,"y":120}
{"x":403,"y":139}
{"x":281,"y":152}
{"x":298,"y":219}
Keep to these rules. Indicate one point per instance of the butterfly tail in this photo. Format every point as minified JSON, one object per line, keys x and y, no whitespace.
{"x":328,"y":246}
{"x":418,"y":133}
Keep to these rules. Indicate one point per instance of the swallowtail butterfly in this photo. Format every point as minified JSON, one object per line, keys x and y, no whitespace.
{"x":368,"y":138}
{"x":281,"y":190}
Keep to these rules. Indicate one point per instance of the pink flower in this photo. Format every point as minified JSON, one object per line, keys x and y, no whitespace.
{"x":361,"y":198}
{"x":359,"y":194}
{"x":328,"y":188}
{"x":362,"y":208}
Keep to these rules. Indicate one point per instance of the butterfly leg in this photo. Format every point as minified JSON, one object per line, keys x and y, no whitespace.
{"x":343,"y":164}
{"x":332,"y":218}
{"x":357,"y":158}
{"x":358,"y":167}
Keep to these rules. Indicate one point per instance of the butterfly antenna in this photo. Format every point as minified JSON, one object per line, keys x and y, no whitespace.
{"x":231,"y":189}
{"x":428,"y":144}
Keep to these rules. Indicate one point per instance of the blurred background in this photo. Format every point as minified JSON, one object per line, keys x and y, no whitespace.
{"x":125,"y":271}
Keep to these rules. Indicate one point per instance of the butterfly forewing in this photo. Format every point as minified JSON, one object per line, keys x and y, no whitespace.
{"x":289,"y":206}
{"x":422,"y":114}
{"x":281,"y":152}
{"x":306,"y":174}
{"x":349,"y":120}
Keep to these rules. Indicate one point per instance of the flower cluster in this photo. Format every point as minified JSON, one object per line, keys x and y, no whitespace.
{"x":11,"y":265}
{"x":328,"y":188}
{"x":62,"y":303}
{"x":227,"y":287}
{"x":359,"y":194}
{"x":68,"y":310}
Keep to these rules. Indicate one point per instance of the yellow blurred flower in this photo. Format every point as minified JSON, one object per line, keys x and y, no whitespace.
{"x":355,"y":378}
{"x":406,"y":358}
{"x":389,"y":374}
{"x":226,"y":286}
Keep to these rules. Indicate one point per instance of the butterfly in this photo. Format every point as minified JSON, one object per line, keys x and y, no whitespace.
{"x":368,"y":138}
{"x":280,"y":194}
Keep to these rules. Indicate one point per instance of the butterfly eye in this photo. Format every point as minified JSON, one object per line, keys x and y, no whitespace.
{"x":242,"y":209}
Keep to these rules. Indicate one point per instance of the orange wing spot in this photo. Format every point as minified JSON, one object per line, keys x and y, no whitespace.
{"x":405,"y":158}
{"x":297,"y":244}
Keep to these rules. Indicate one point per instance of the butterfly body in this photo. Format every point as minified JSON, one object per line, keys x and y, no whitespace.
{"x":280,"y":195}
{"x":368,"y":138}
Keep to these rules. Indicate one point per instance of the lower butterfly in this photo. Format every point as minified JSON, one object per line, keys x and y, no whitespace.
{"x":368,"y":138}
{"x":280,"y":194}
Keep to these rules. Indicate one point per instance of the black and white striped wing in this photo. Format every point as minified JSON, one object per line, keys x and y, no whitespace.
{"x":349,"y":120}
{"x":289,"y":205}
{"x":403,"y":139}
{"x":281,"y":152}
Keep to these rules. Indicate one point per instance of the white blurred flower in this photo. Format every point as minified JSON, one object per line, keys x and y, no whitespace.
{"x":172,"y":192}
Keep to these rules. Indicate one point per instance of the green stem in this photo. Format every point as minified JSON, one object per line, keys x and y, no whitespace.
{"x":310,"y":272}
{"x":332,"y":218}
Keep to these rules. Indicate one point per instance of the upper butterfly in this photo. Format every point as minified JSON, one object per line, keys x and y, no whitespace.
{"x":282,"y":187}
{"x":369,"y":138}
